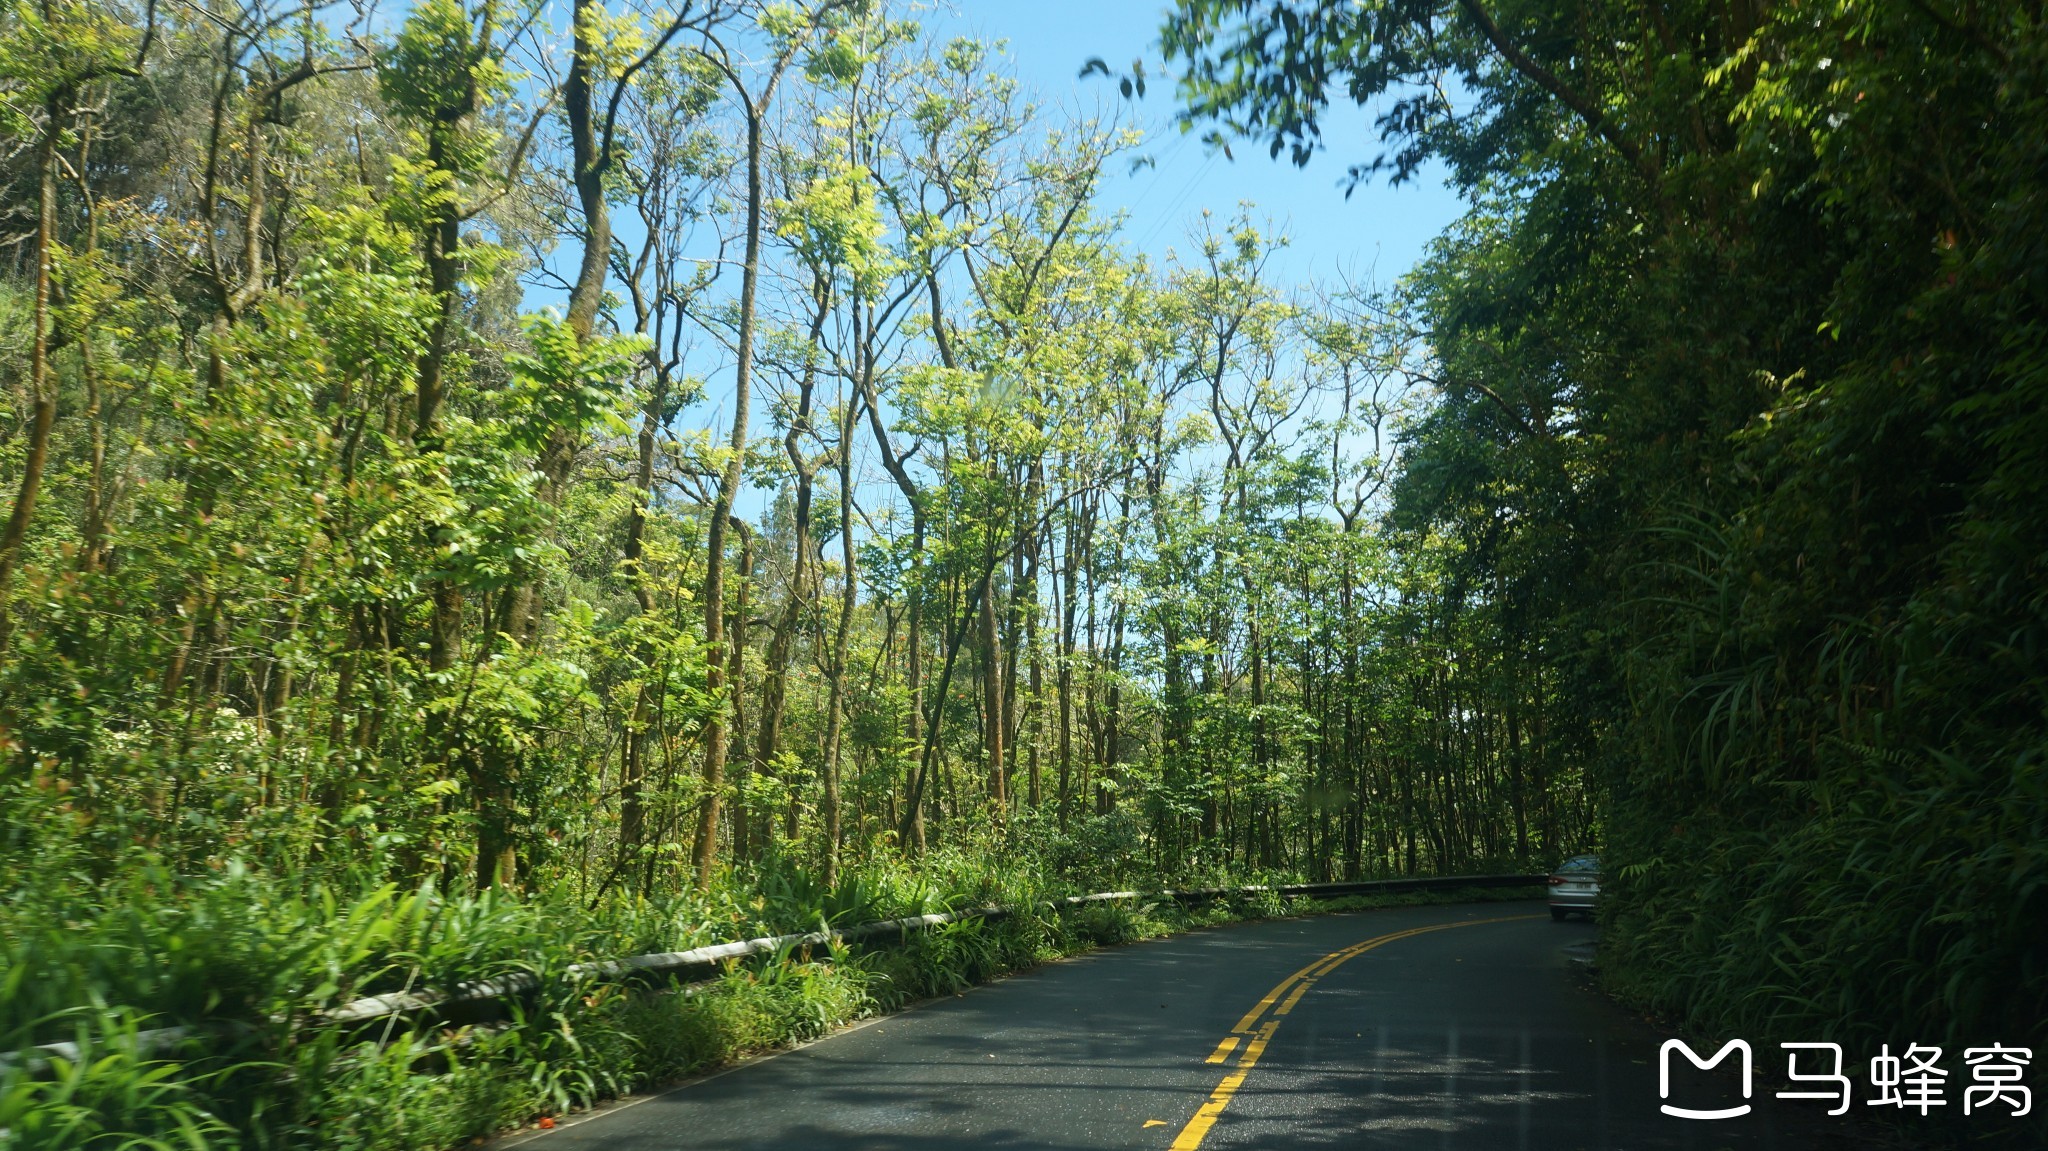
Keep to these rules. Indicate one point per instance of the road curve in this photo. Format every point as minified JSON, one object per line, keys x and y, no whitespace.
{"x":1420,"y":1027}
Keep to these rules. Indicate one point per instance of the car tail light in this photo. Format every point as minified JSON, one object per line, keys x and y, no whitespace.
{"x":1556,"y":880}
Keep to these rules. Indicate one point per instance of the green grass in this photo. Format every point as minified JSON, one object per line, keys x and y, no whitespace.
{"x":246,"y":965}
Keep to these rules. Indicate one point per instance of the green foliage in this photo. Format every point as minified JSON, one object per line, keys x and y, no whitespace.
{"x":441,"y":72}
{"x":1738,"y":443}
{"x":104,"y":1096}
{"x":836,"y":227}
{"x":47,"y":50}
{"x":244,"y":965}
{"x":563,"y":382}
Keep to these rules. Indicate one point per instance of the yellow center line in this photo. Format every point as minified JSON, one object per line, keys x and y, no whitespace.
{"x":1250,"y":1058}
{"x":1197,"y":1129}
{"x":1300,"y":989}
{"x":1251,"y":1017}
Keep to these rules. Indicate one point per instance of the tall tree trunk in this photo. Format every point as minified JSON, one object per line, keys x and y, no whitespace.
{"x":444,"y":239}
{"x":497,"y":849}
{"x":957,"y":634}
{"x":775,"y":684}
{"x":911,"y":825}
{"x":1113,"y":741}
{"x":913,"y":667}
{"x":835,"y":670}
{"x":444,"y":628}
{"x":992,"y":694}
{"x":1069,"y":576}
{"x":587,"y":152}
{"x":43,"y":395}
{"x":1028,"y":593}
{"x":736,"y":663}
{"x":634,"y":749}
{"x":775,"y":679}
{"x":706,"y":854}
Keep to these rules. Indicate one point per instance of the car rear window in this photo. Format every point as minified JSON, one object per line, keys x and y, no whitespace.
{"x":1581,"y":863}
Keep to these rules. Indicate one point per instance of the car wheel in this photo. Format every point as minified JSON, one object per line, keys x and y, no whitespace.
{"x":1557,"y":914}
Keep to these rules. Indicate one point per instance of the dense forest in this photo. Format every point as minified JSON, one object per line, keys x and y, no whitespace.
{"x":1744,"y":425}
{"x":493,"y":479}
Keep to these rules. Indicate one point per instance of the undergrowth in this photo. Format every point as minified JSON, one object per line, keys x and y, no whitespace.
{"x":243,"y":965}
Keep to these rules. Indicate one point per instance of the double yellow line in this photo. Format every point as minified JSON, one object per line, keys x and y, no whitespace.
{"x":1258,"y":1028}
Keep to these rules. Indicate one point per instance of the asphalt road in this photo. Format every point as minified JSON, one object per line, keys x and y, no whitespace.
{"x":1423,"y":1027}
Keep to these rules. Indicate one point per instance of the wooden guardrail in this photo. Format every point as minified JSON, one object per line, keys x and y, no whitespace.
{"x":487,"y":999}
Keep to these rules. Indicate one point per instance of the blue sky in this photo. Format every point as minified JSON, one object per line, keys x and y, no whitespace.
{"x":1379,"y":232}
{"x":1369,"y":239}
{"x":1372,"y":237}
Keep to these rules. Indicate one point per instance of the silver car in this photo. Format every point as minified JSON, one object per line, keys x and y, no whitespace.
{"x":1575,"y":886}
